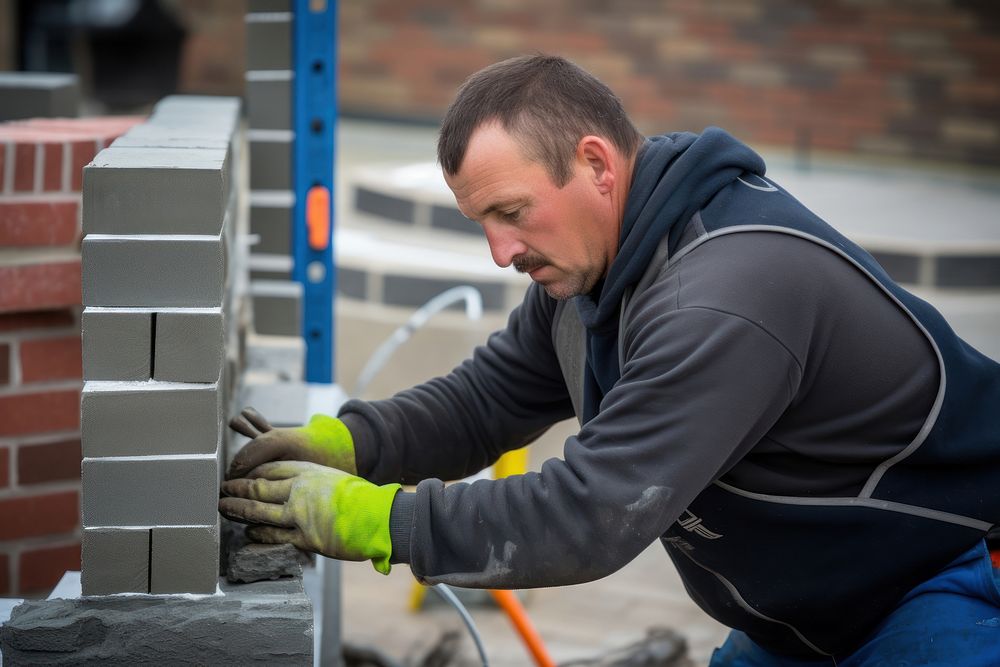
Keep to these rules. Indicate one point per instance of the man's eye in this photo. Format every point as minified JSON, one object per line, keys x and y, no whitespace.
{"x":512,"y":216}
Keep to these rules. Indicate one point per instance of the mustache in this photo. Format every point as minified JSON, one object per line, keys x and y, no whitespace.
{"x":528,"y":263}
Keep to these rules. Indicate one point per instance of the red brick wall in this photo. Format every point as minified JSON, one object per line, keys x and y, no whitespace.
{"x":914,"y":79}
{"x":41,"y":165}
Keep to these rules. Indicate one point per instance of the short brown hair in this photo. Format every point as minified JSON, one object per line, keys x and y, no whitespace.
{"x":546,"y":102}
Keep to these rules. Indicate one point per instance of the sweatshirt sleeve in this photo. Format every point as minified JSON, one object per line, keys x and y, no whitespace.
{"x":699,"y":387}
{"x":504,"y":397}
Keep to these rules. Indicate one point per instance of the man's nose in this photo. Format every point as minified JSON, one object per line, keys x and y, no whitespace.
{"x":504,"y":245}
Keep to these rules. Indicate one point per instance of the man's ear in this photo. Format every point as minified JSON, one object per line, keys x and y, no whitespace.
{"x":596,"y":154}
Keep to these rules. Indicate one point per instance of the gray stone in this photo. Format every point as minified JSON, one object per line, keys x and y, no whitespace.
{"x":270,"y":164}
{"x":38,"y":95}
{"x":184,"y":559}
{"x":259,"y":562}
{"x":268,"y":622}
{"x":117,"y":344}
{"x":156,"y":191}
{"x":205,"y":110}
{"x":150,"y":491}
{"x":156,"y":137}
{"x":269,"y":103}
{"x":189,"y":345}
{"x":269,"y":41}
{"x":149,"y":418}
{"x":115,"y":561}
{"x":153,"y":271}
{"x":277,"y":307}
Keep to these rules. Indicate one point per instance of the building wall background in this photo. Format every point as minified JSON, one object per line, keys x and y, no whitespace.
{"x":912,"y":78}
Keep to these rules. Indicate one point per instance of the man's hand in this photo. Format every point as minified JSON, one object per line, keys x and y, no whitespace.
{"x":315,"y":508}
{"x":324,"y":440}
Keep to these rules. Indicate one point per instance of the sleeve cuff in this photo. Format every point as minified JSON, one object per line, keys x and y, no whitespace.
{"x":400,"y":525}
{"x":364,"y":439}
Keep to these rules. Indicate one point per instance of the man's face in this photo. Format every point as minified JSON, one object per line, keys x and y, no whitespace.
{"x":564,"y":238}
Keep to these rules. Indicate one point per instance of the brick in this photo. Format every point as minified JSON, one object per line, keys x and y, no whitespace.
{"x":185,"y":560}
{"x":39,"y":515}
{"x":4,"y":575}
{"x":115,"y":561}
{"x":49,"y":462}
{"x":4,"y":466}
{"x":24,"y":167}
{"x":150,"y":419}
{"x":269,"y":42}
{"x":40,"y":286}
{"x":273,"y":224}
{"x":40,"y":320}
{"x":117,"y":344}
{"x":41,"y":569}
{"x":189,"y":346}
{"x":277,"y":307}
{"x":144,"y":491}
{"x":269,"y":103}
{"x":4,"y":363}
{"x":40,"y":412}
{"x":270,"y":165}
{"x":156,"y":191}
{"x":38,"y":223}
{"x":81,"y":153}
{"x":52,"y":171}
{"x":51,"y":359}
{"x":153,"y":271}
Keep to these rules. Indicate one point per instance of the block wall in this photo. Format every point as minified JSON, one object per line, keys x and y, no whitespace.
{"x":277,"y":300}
{"x":41,"y":163}
{"x":160,"y":324}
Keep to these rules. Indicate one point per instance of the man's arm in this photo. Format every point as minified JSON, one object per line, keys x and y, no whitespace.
{"x":698,"y":389}
{"x":504,"y":397}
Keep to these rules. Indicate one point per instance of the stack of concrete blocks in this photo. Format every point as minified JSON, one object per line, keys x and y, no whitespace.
{"x":277,"y":299}
{"x":161,"y":326}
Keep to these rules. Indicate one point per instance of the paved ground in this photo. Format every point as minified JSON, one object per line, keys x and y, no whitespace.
{"x":580,"y":621}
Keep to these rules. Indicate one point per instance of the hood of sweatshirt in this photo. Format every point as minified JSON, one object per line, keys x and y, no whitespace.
{"x":675,"y":175}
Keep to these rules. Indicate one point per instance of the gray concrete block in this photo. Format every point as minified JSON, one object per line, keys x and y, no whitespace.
{"x":205,"y":110}
{"x":268,"y":622}
{"x":38,"y":95}
{"x":153,"y":271}
{"x":184,"y":559}
{"x":388,"y":207}
{"x":164,"y":138}
{"x":115,"y":560}
{"x":269,"y":41}
{"x":273,"y":224}
{"x":150,"y":491}
{"x":156,"y":191}
{"x":450,"y":218}
{"x":271,"y":267}
{"x":149,"y":418}
{"x":269,"y":103}
{"x":189,"y":345}
{"x":270,"y":164}
{"x":415,"y":291}
{"x":277,"y":307}
{"x":117,"y":344}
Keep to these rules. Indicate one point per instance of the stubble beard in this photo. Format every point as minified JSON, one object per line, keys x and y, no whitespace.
{"x":572,"y":285}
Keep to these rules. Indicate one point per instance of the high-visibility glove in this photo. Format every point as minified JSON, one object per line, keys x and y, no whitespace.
{"x":316,"y":508}
{"x":324,"y":440}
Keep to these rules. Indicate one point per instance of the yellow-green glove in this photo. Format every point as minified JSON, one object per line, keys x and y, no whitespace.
{"x":324,"y":440}
{"x":316,"y":508}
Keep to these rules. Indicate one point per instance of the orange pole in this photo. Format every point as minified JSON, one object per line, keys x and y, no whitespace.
{"x":515,"y":611}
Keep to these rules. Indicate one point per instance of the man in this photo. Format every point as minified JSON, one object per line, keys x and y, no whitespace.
{"x":816,"y":449}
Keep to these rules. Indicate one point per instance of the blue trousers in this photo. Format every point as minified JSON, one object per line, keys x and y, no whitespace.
{"x":952,"y":619}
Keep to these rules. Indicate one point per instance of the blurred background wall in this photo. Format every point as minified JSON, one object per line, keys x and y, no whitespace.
{"x":901,"y":78}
